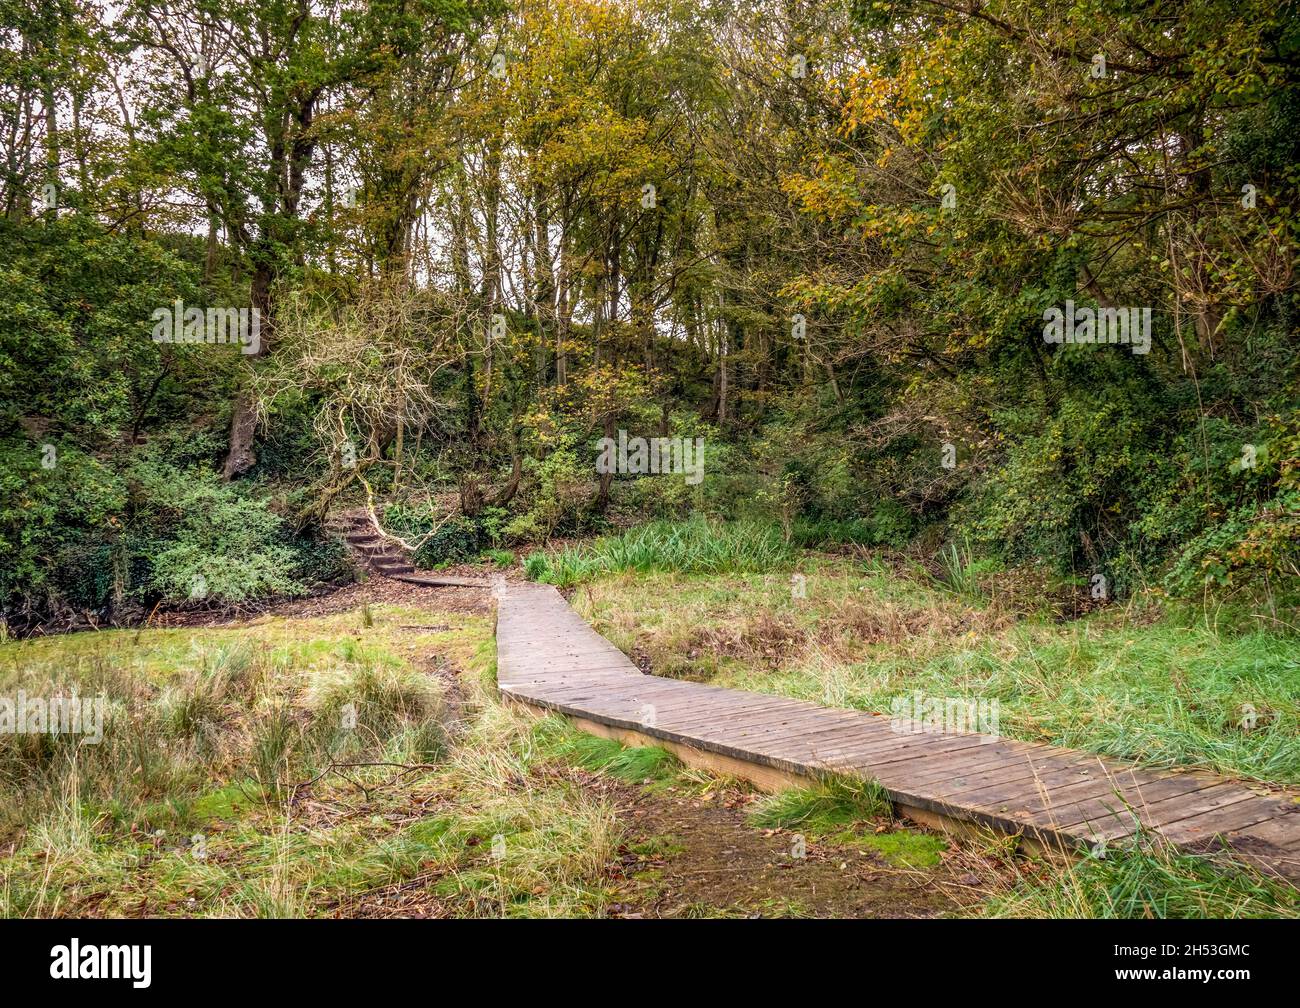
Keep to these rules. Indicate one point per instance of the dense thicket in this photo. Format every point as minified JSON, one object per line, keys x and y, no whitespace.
{"x":479,"y":236}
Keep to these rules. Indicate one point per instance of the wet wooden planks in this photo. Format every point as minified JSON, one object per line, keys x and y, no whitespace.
{"x":549,"y":657}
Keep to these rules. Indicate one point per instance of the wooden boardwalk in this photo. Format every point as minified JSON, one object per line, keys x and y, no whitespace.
{"x":548,"y":656}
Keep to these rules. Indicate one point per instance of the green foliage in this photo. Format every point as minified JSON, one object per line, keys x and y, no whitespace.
{"x":537,"y":567}
{"x":125,"y":539}
{"x":922,"y":320}
{"x":637,"y":764}
{"x":442,"y":541}
{"x":319,"y":560}
{"x":888,"y":524}
{"x":561,"y":488}
{"x":222,"y":547}
{"x":695,"y":546}
{"x":455,"y":541}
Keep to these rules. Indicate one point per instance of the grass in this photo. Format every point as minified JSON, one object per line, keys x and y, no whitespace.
{"x":500,"y":558}
{"x":1149,"y":882}
{"x":850,"y":813}
{"x":696,"y":546}
{"x":635,"y":764}
{"x":229,"y":782}
{"x":1158,"y":690}
{"x":834,"y":804}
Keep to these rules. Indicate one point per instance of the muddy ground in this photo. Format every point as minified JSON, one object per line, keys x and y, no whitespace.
{"x":693,"y":855}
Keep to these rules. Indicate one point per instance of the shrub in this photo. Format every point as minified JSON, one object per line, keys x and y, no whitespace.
{"x":320,"y":559}
{"x":218,"y":546}
{"x":457,"y":540}
{"x":562,"y":487}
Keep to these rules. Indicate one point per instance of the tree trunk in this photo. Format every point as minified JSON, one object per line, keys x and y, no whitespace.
{"x":606,"y":478}
{"x":240,"y":456}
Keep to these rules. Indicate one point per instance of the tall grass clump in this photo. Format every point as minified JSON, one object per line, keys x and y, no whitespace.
{"x":1147,"y":881}
{"x":697,"y":546}
{"x":827,"y":808}
{"x":636,"y":764}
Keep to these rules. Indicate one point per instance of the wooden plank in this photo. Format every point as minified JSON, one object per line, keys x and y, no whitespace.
{"x":923,"y":769}
{"x":762,"y":722}
{"x":550,"y":658}
{"x":1022,"y":772}
{"x":814,"y":732}
{"x":1208,"y":799}
{"x":1281,"y":833}
{"x":588,"y":679}
{"x":978,"y":764}
{"x":438,"y":581}
{"x":1024,"y":796}
{"x":877,"y":739}
{"x":543,"y":661}
{"x":1118,"y":813}
{"x":1138,"y":800}
{"x":876,"y":759}
{"x":1206,"y":825}
{"x":829,"y":736}
{"x":730,"y":716}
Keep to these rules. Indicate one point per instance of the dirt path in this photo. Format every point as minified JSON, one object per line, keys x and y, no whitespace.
{"x":374,"y":590}
{"x":693,"y":854}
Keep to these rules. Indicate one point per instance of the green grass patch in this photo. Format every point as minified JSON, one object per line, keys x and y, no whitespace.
{"x":182,"y":810}
{"x":229,"y":803}
{"x":635,"y":764}
{"x":905,"y":847}
{"x":823,"y":810}
{"x":847,"y":811}
{"x":656,"y":847}
{"x":1163,"y":692}
{"x":696,"y":546}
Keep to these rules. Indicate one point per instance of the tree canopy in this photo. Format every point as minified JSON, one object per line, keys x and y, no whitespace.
{"x":480,"y":235}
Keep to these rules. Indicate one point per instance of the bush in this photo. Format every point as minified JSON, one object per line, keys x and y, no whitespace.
{"x":562,"y":487}
{"x":456,"y":541}
{"x":60,"y":529}
{"x":538,"y":568}
{"x":87,"y":537}
{"x":450,"y":540}
{"x":224,"y":548}
{"x":320,"y":560}
{"x":889,"y":524}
